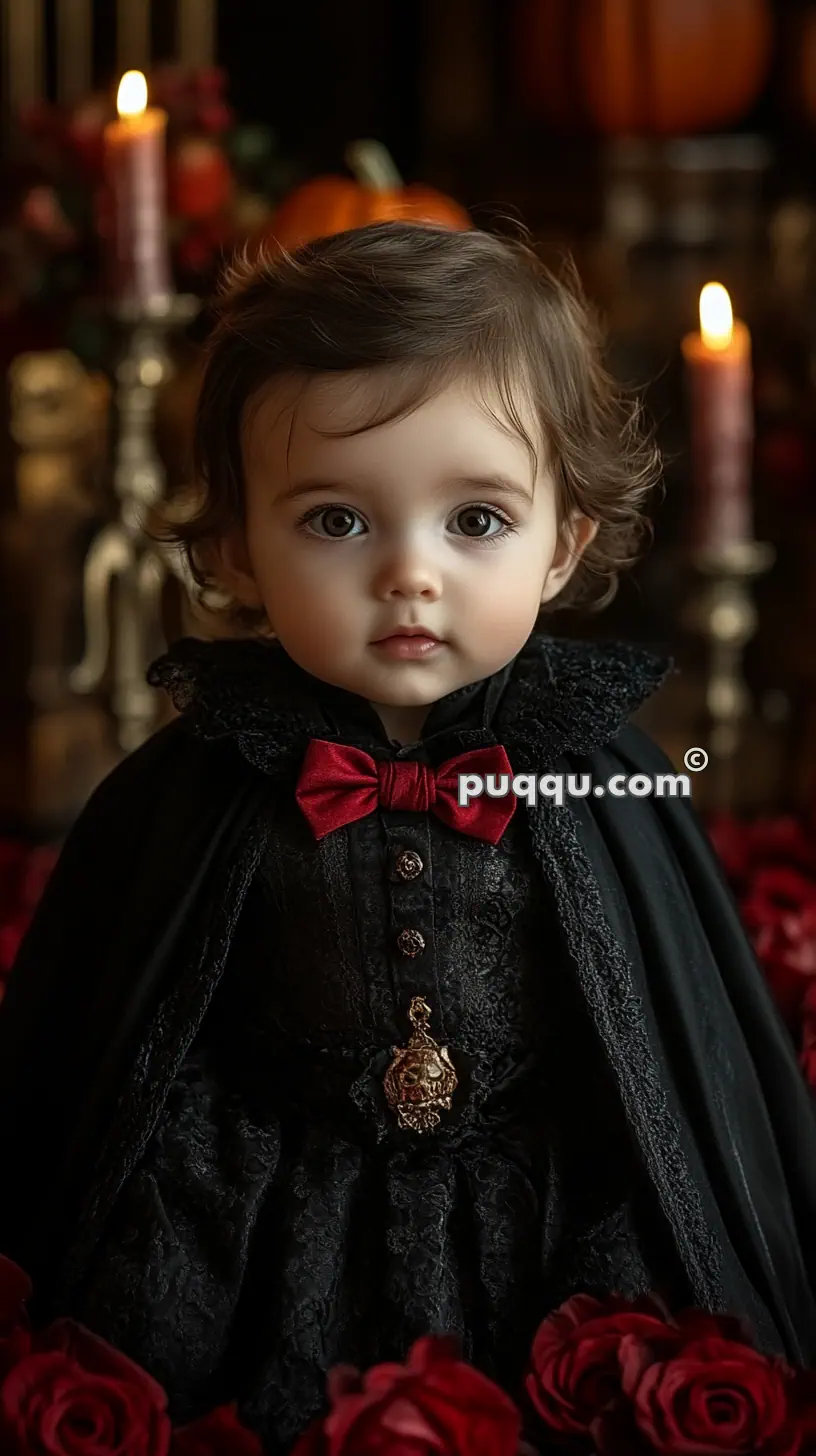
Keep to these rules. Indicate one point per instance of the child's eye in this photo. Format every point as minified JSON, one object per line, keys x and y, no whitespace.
{"x":475,"y":522}
{"x":337,"y":522}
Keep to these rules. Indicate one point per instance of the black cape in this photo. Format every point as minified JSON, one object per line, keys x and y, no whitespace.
{"x":159,"y":864}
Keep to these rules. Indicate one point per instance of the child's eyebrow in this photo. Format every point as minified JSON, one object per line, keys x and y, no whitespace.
{"x":501,"y":483}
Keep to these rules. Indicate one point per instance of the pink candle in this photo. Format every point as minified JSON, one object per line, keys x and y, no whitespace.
{"x":136,"y":173}
{"x":718,"y":370}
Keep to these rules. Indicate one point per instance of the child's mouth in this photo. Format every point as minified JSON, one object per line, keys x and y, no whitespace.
{"x":402,"y":646}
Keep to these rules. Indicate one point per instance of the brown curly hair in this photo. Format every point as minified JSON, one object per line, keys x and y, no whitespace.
{"x":425,"y":305}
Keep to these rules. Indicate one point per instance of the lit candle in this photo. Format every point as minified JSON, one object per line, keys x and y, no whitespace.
{"x":718,"y":370}
{"x":135,"y":166}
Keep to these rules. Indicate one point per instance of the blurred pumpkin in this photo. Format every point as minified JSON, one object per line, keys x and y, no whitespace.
{"x":375,"y":193}
{"x":641,"y":67}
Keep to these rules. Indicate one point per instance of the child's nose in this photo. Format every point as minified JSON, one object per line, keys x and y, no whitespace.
{"x":408,"y":572}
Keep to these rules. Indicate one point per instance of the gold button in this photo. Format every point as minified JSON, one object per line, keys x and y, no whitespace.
{"x":408,"y":864}
{"x":411,"y":942}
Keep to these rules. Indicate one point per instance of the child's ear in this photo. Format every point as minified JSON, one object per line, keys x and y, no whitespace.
{"x":233,"y":568}
{"x":575,"y":536}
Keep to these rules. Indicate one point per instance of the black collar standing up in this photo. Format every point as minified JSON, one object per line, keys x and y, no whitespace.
{"x":554,"y":697}
{"x":463,"y":713}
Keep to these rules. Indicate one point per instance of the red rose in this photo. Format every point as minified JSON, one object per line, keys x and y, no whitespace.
{"x":745,"y":848}
{"x":713,"y":1396}
{"x":432,"y":1403}
{"x":780,"y":915}
{"x":575,"y":1373}
{"x":784,"y":840}
{"x":772,"y":866}
{"x":782,"y":888}
{"x":218,"y":1434}
{"x":74,"y":1395}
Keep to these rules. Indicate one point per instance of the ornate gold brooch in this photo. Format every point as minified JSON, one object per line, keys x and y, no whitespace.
{"x":421,"y":1080}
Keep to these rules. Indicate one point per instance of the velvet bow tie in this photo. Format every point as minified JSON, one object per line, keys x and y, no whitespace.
{"x":339,"y":784}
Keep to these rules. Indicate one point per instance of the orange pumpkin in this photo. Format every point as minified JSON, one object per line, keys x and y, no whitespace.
{"x":641,"y":67}
{"x":376,"y":193}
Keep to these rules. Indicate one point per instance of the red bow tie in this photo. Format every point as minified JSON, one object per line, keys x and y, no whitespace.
{"x":339,"y":784}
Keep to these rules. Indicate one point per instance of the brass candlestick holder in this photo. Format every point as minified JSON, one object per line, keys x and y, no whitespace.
{"x":124,"y":574}
{"x":722,"y":610}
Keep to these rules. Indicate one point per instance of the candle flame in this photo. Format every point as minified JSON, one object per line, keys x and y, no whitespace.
{"x":716,"y":317}
{"x":131,"y":99}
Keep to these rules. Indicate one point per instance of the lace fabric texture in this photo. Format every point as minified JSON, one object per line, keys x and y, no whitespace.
{"x":280,"y":1222}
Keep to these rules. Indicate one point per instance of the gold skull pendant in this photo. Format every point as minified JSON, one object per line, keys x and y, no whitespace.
{"x":421,"y":1080}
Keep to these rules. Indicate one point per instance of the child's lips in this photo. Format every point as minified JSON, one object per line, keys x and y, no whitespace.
{"x":400,"y":645}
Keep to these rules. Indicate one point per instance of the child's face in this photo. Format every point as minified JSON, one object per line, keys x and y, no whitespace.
{"x":404,"y":529}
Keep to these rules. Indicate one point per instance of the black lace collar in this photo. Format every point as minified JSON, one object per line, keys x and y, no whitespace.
{"x":556,"y":696}
{"x":469,"y":708}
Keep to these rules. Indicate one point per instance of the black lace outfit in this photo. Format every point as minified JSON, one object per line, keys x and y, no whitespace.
{"x":278,"y":1221}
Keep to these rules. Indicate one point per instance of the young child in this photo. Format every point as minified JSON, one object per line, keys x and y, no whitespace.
{"x":302,"y":1058}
